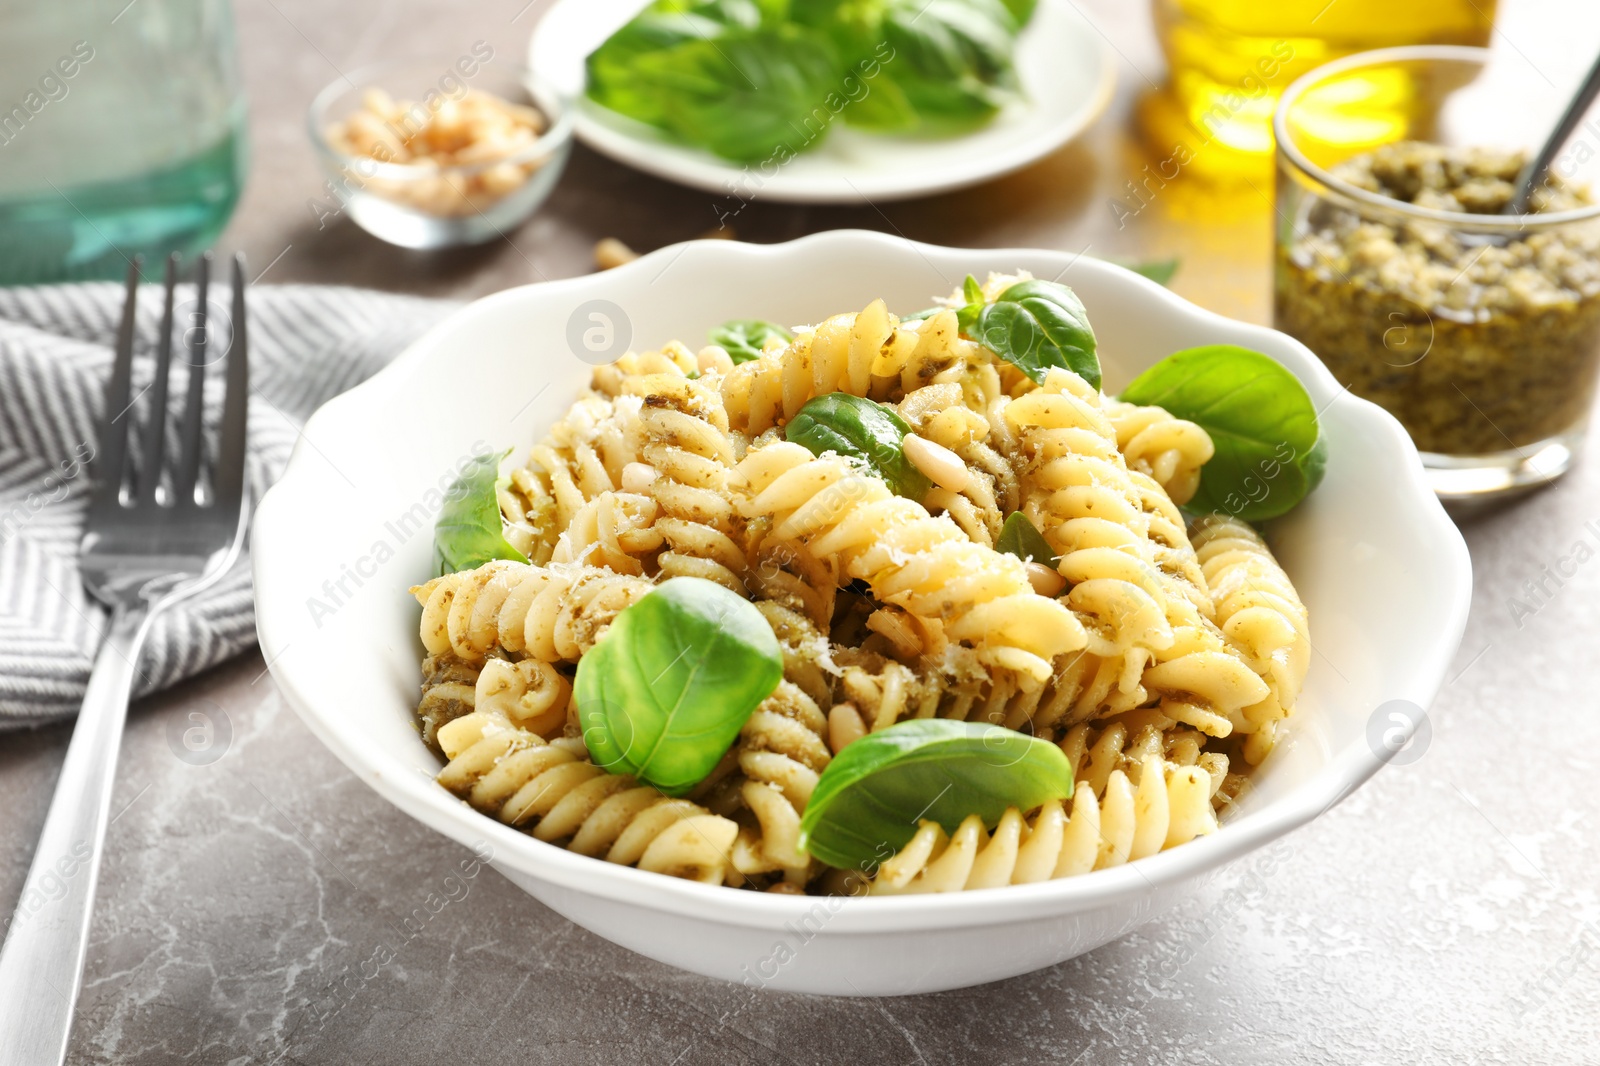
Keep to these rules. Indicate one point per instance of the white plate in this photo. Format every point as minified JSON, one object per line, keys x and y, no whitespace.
{"x":339,"y":539}
{"x":1064,"y":66}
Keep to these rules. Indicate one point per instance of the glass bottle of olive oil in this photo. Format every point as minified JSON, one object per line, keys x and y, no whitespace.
{"x":1230,"y":59}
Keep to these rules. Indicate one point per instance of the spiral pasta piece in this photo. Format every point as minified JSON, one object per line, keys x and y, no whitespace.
{"x":686,"y":454}
{"x":1138,"y":792}
{"x":581,"y":457}
{"x":1261,"y":616}
{"x":552,"y":788}
{"x":449,"y":690}
{"x":616,"y":530}
{"x":924,"y":565}
{"x":673,"y":358}
{"x":781,"y":751}
{"x":870,"y":354}
{"x":554,"y":613}
{"x":1168,"y":449}
{"x":1129,"y":822}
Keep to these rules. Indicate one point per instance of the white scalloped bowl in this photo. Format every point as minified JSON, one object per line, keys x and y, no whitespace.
{"x":347,"y":530}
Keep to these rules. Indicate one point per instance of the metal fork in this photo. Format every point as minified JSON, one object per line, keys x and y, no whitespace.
{"x":145,"y":547}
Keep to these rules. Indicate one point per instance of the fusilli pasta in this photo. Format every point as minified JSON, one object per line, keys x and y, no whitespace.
{"x":1160,"y":657}
{"x":922,"y":564}
{"x":516,"y":776}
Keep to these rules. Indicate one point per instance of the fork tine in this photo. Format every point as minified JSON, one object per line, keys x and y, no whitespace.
{"x":229,"y":478}
{"x":190,"y":435}
{"x":155,"y":427}
{"x":112,"y":435}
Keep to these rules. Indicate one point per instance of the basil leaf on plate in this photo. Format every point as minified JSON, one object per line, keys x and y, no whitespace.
{"x":1270,"y":453}
{"x":666,"y":690}
{"x":869,"y":800}
{"x":470,"y":531}
{"x":1038,"y":326}
{"x":952,"y":60}
{"x":745,"y":338}
{"x":660,"y":27}
{"x":863,"y":429}
{"x":1021,"y":10}
{"x":1020,"y":537}
{"x":746,"y":93}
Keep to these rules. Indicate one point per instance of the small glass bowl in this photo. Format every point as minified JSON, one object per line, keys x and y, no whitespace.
{"x":421,"y":204}
{"x":1480,"y":332}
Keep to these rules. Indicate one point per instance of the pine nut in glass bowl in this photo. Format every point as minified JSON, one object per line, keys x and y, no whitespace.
{"x":439,"y":153}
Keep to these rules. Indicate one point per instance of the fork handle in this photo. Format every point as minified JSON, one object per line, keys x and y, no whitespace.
{"x":42,"y":961}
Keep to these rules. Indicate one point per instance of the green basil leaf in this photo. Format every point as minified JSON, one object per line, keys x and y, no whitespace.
{"x":749,"y":95}
{"x":869,"y":800}
{"x":1159,"y":271}
{"x":967,"y":315}
{"x":660,"y":27}
{"x":745,"y":338}
{"x":952,"y":59}
{"x":470,"y":531}
{"x":863,"y":429}
{"x":1270,"y":452}
{"x":1020,"y":537}
{"x":1037,"y":326}
{"x":666,"y":690}
{"x":1021,"y":10}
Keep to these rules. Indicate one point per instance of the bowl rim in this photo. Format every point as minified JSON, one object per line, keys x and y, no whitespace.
{"x":518,"y":851}
{"x":556,"y":108}
{"x":1292,"y":158}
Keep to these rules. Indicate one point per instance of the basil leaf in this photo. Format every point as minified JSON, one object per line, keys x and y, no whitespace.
{"x":1037,"y":326}
{"x":744,"y":339}
{"x":668,"y":687}
{"x":967,"y":316}
{"x":659,"y":27}
{"x":749,"y":94}
{"x":1159,"y":271}
{"x":1270,"y":452}
{"x":868,"y":801}
{"x":952,"y":60}
{"x":1020,"y":537}
{"x":859,"y":428}
{"x":1021,"y":10}
{"x":470,"y":531}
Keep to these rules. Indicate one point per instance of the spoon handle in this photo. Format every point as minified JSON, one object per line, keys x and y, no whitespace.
{"x":1557,"y":139}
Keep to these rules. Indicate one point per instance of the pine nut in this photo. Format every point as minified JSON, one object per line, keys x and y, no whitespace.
{"x":637,"y":477}
{"x":714,"y":357}
{"x":610,"y":252}
{"x":844,"y":726}
{"x":444,"y":134}
{"x":1045,"y":581}
{"x":943,"y":466}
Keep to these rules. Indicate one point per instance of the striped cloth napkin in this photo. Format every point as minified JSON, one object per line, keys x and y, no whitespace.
{"x":307,"y":343}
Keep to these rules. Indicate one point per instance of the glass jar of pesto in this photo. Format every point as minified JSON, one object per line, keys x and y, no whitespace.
{"x":1395,"y":264}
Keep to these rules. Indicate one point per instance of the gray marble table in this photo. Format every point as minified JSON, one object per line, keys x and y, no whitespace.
{"x":259,"y":905}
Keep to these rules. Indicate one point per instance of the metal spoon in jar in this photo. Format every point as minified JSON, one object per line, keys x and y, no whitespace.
{"x":1536,"y":168}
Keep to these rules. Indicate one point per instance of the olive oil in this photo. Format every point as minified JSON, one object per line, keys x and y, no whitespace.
{"x":1230,"y":59}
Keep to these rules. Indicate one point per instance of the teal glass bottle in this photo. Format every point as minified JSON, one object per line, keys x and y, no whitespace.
{"x":122,"y":131}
